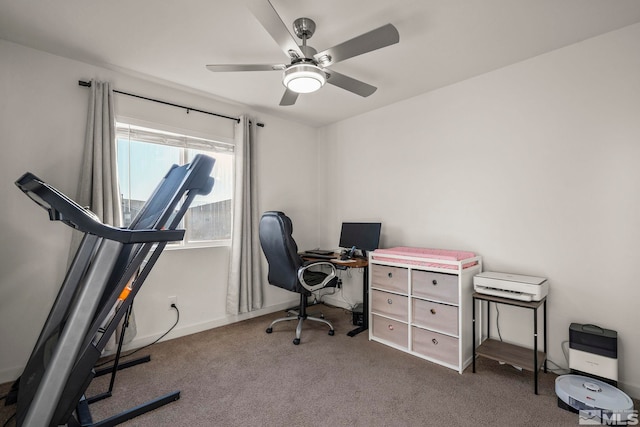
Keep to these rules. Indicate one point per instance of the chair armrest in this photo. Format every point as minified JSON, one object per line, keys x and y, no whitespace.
{"x":321,"y":285}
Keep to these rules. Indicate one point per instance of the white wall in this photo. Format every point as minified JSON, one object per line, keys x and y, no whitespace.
{"x":42,"y":125}
{"x":535,"y":166}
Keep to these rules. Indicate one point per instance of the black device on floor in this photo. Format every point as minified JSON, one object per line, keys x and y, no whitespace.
{"x":358,"y":315}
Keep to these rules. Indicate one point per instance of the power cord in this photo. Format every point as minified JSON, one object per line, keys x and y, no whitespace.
{"x":6,"y":423}
{"x":175,"y":307}
{"x":498,"y":322}
{"x":519,"y":368}
{"x":564,"y":351}
{"x":559,"y":369}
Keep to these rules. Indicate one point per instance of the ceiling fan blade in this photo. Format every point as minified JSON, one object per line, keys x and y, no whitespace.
{"x":350,"y":84}
{"x":374,"y":39}
{"x":271,"y":21}
{"x":246,"y":67}
{"x":289,"y":98}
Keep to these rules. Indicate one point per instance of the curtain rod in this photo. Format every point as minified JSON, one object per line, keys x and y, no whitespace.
{"x":237,"y":119}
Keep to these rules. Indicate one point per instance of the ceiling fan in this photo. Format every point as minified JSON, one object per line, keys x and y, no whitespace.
{"x":307,"y":70}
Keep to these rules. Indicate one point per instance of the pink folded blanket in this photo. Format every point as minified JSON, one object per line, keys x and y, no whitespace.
{"x":431,"y":254}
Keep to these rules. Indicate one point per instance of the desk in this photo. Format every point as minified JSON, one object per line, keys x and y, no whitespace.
{"x":353,"y":263}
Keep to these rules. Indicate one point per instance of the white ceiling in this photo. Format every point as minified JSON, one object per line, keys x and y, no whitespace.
{"x":441,"y":42}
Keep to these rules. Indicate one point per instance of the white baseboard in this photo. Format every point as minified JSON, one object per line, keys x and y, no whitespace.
{"x":11,"y":374}
{"x":178,"y":332}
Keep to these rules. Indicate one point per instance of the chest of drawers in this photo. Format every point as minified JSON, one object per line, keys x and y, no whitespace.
{"x":423,"y":307}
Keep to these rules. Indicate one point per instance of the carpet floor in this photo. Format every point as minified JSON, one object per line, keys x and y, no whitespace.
{"x":238,"y":375}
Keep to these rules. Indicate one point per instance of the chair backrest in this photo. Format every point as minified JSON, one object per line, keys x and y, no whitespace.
{"x":280,"y":250}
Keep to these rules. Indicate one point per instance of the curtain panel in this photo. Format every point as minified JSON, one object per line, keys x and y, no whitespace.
{"x":244,"y":289}
{"x":99,"y":175}
{"x":98,"y":188}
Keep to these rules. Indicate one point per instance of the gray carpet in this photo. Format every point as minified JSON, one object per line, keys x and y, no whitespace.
{"x":238,"y":375}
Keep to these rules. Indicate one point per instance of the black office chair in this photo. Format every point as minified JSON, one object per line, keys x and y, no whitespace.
{"x":287,"y":269}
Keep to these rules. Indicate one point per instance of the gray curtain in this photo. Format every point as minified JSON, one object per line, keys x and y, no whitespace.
{"x":98,"y":189}
{"x":99,"y":176}
{"x":244,"y":289}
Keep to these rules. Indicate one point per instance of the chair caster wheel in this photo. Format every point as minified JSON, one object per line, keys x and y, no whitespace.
{"x":269,"y":330}
{"x":296,"y":341}
{"x":332,"y":332}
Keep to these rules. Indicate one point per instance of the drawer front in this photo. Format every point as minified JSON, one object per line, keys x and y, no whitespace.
{"x":437,"y":286}
{"x":435,"y":345}
{"x":390,"y":278}
{"x":390,"y":330}
{"x":392,"y":305}
{"x":432,"y":315}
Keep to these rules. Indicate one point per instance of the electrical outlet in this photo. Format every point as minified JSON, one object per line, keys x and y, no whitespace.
{"x":173,"y":300}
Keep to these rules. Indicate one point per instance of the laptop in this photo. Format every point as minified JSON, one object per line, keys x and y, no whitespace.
{"x":319,"y":252}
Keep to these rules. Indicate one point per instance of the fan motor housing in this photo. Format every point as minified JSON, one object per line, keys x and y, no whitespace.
{"x":304,"y":28}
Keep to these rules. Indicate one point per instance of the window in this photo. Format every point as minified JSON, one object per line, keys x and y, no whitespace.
{"x":144,"y":157}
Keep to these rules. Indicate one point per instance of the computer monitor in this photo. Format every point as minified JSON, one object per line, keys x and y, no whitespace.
{"x":361,"y":235}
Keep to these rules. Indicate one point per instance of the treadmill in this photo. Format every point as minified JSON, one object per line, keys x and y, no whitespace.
{"x":50,"y":391}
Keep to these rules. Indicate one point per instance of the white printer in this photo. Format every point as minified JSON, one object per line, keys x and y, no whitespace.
{"x":514,"y":286}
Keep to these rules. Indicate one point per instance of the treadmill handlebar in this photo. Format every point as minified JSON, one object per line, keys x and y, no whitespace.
{"x":62,"y":208}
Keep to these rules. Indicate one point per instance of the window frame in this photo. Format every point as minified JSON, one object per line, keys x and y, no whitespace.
{"x":223,"y":143}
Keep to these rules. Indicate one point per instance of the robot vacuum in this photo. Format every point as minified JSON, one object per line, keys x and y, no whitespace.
{"x":592,"y":398}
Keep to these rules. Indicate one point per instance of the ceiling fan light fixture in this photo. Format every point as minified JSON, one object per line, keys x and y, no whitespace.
{"x":304,"y":78}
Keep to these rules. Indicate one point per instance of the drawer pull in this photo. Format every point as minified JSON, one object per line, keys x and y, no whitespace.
{"x":389,"y":301}
{"x":390,"y":275}
{"x":434,"y":281}
{"x":433,"y":311}
{"x":391,"y":327}
{"x":435,"y":341}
